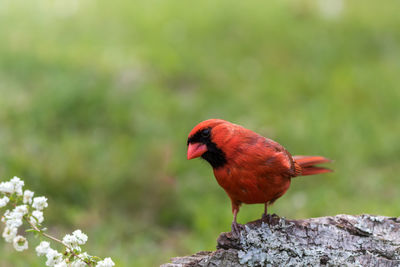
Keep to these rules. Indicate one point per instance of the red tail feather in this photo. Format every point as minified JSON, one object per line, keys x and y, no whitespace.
{"x":307,"y":164}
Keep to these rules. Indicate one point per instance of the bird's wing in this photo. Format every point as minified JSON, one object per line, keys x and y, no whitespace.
{"x":278,"y":160}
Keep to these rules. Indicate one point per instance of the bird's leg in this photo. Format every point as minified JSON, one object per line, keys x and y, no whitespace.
{"x":265,"y":214}
{"x":235,"y":226}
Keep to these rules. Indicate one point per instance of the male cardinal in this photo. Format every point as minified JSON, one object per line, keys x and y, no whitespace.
{"x":251,"y":168}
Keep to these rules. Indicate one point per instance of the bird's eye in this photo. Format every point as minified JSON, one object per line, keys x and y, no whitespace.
{"x":205,"y":133}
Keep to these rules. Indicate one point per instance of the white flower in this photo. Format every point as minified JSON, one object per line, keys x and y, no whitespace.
{"x":20,"y":243}
{"x":107,"y":262}
{"x":53,"y":257}
{"x":33,"y":220}
{"x":81,"y":237}
{"x":78,"y":263}
{"x":75,"y":240}
{"x":3,"y":201}
{"x":9,"y":234}
{"x":22,"y":209}
{"x":39,"y":203}
{"x":42,"y":249}
{"x":85,"y":256}
{"x":61,"y":264}
{"x":13,"y":219}
{"x":28,"y":195}
{"x":3,"y":218}
{"x":32,"y":209}
{"x":6,"y":187}
{"x":17,"y":184}
{"x":71,"y":241}
{"x":38,"y":216}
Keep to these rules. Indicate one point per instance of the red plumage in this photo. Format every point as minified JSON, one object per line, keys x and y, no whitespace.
{"x":307,"y":164}
{"x":250,"y":168}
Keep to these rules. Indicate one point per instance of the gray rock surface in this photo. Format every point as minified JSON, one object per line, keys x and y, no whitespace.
{"x":341,"y":240}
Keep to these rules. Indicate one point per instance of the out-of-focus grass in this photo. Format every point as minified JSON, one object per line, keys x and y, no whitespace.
{"x":97,"y":99}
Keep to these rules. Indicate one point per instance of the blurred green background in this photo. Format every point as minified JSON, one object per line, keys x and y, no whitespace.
{"x":97,"y":99}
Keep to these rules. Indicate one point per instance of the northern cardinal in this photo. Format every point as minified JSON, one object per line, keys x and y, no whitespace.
{"x":251,"y":168}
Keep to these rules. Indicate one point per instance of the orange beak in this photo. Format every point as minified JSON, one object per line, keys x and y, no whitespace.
{"x":196,"y":150}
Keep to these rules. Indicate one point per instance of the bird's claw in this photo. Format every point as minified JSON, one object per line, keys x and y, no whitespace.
{"x":266,"y":218}
{"x":236,"y":229}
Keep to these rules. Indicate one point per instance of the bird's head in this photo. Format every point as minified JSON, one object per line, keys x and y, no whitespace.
{"x":207,"y":139}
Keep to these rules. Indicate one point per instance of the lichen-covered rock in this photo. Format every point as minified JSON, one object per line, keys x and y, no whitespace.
{"x":342,"y":240}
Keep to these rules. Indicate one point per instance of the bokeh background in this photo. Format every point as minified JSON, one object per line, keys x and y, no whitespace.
{"x":97,"y":99}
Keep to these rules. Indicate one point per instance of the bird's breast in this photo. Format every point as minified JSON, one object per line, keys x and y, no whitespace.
{"x":245,"y":185}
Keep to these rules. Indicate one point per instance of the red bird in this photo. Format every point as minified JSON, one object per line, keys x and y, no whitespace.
{"x":251,"y":168}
